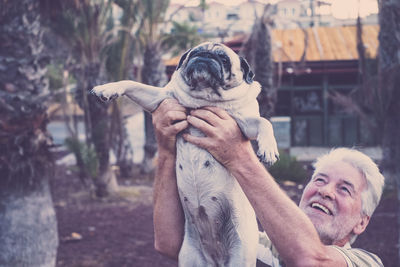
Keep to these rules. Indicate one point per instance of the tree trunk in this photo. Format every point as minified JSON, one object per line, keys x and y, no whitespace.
{"x":28,"y":228}
{"x":99,"y":122}
{"x":120,"y":142}
{"x":389,"y":79}
{"x":153,"y":73}
{"x":257,"y":50}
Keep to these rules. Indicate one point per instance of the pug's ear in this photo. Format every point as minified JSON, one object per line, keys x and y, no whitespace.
{"x":183,"y":57}
{"x":248,"y":74}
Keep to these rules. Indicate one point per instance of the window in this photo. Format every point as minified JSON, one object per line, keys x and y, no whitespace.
{"x":307,"y":102}
{"x":232,"y":17}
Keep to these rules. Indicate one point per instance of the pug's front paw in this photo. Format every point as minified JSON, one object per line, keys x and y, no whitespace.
{"x":108,"y":91}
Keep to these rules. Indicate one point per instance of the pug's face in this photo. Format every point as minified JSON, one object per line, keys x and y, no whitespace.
{"x":213,"y":69}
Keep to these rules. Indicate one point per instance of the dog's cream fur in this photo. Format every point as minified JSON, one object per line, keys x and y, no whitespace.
{"x":220,"y":224}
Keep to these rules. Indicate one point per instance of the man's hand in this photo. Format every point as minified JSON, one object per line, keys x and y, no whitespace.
{"x":224,"y":139}
{"x":168,"y":120}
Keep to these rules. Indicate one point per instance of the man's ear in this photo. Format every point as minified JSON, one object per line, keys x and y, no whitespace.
{"x":361,"y":225}
{"x":183,"y":57}
{"x":248,"y":75}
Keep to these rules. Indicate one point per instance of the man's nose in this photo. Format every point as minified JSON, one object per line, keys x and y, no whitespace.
{"x":327,"y":191}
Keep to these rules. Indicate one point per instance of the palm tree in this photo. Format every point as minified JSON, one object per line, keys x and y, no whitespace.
{"x":258,"y":51}
{"x":182,"y":37}
{"x":83,"y":26}
{"x":153,"y":71}
{"x":28,"y":228}
{"x":120,"y":67}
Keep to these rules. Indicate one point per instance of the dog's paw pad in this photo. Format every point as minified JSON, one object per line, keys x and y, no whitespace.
{"x":103,"y":98}
{"x":268,"y":156}
{"x":263,"y":157}
{"x":108,"y":91}
{"x":114,"y":96}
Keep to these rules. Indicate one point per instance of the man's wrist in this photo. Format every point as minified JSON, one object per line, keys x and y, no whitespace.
{"x":246,"y":157}
{"x":166,"y":155}
{"x":166,"y":152}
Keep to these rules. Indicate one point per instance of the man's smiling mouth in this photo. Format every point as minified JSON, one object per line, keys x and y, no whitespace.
{"x":320,"y":207}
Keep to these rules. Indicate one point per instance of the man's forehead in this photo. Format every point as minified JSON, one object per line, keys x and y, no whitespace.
{"x":342,"y":172}
{"x":343,"y":179}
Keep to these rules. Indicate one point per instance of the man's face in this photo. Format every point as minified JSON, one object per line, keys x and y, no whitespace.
{"x":332,"y":200}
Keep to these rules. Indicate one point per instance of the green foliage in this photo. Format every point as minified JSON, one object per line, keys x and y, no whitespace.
{"x":203,"y":5}
{"x":287,"y":168}
{"x":121,"y":53}
{"x":54,"y":73}
{"x":82,"y":25}
{"x":55,"y":76}
{"x":85,"y":155}
{"x":182,"y":37}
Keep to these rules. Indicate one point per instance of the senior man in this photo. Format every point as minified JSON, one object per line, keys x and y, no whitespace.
{"x":335,"y":207}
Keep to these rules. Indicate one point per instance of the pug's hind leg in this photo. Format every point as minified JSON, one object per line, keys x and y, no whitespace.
{"x":241,"y":257}
{"x":190,"y":256}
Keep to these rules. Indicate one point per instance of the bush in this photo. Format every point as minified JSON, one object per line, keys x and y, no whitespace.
{"x":287,"y":168}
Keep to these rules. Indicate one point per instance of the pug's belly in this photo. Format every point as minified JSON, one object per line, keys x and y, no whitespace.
{"x":207,"y":192}
{"x":199,"y":175}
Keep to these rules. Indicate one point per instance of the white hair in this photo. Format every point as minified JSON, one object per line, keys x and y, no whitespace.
{"x":371,"y":196}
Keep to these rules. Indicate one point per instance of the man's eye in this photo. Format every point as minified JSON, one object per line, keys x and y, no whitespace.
{"x":345,"y":189}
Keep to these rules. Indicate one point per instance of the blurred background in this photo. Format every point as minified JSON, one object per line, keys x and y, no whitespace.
{"x":76,"y":173}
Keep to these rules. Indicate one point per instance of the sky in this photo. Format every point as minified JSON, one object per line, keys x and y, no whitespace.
{"x":340,"y":8}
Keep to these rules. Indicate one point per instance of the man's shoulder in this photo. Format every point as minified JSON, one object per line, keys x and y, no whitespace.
{"x":359,"y":257}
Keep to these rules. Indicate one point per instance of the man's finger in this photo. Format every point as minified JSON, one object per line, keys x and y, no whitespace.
{"x":179,"y":126}
{"x":174,"y":115}
{"x":196,"y":140}
{"x":202,"y":125}
{"x":207,"y":116}
{"x":219,"y":111}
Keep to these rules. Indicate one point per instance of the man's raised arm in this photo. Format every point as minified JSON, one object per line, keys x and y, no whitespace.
{"x":168,"y":120}
{"x":289,"y":229}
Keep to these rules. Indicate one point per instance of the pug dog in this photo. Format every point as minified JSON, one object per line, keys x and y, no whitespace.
{"x":220,"y":224}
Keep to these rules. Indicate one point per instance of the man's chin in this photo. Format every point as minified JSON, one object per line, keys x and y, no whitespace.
{"x":318,"y":217}
{"x":321,"y":222}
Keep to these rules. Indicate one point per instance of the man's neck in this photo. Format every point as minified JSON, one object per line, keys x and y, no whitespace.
{"x":342,"y":243}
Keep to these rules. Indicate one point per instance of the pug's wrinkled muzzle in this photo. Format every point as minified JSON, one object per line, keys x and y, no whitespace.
{"x":204,"y":72}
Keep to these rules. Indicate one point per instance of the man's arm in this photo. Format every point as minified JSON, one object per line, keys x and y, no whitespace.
{"x":168,"y":120}
{"x":289,"y":229}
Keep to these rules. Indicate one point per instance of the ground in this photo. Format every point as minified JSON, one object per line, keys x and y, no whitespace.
{"x":118,"y":231}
